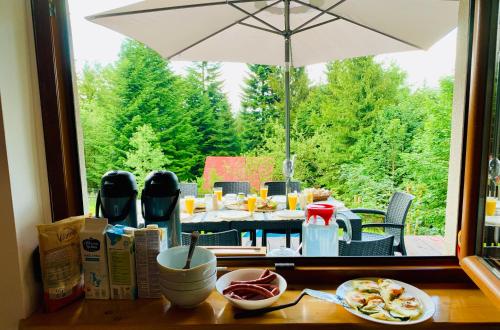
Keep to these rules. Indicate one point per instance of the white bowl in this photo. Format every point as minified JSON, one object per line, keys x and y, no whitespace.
{"x":171,"y":261}
{"x":188,"y":298}
{"x":245,"y":275}
{"x":186,"y":286}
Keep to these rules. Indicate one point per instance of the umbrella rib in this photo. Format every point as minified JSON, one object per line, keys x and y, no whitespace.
{"x":315,"y":25}
{"x":362,"y":25}
{"x":323,"y":11}
{"x":221,"y":30}
{"x":255,"y":17}
{"x":152,"y":10}
{"x":260,"y":28}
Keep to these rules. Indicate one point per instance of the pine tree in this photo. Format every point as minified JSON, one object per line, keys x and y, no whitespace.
{"x":210,"y":111}
{"x":259,"y":106}
{"x":150,"y":93}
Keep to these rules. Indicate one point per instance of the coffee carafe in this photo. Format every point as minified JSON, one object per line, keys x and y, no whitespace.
{"x":116,"y":198}
{"x":320,"y":236}
{"x":160,"y":204}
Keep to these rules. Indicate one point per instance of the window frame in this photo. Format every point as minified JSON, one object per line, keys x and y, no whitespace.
{"x":64,"y":156}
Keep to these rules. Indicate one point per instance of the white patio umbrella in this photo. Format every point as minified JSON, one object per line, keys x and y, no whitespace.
{"x":282,"y":32}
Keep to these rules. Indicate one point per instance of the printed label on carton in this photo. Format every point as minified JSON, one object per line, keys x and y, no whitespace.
{"x":147,"y":246}
{"x":94,"y":258}
{"x":121,"y":262}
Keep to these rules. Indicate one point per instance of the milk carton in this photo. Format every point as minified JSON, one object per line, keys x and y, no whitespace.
{"x":121,"y":262}
{"x":94,"y":258}
{"x":148,"y":243}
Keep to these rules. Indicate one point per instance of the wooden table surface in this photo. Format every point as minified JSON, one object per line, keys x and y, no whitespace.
{"x":459,"y":306}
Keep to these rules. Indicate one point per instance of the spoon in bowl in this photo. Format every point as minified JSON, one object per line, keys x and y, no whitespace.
{"x":192,"y":245}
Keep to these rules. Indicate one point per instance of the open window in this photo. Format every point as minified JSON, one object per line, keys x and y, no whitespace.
{"x":87,"y":93}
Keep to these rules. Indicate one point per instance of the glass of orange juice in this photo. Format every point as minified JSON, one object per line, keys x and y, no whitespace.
{"x":252,"y":203}
{"x":218,"y":193}
{"x":263,"y":192}
{"x":310,"y":196}
{"x":491,"y":205}
{"x":189,"y":204}
{"x":292,"y":201}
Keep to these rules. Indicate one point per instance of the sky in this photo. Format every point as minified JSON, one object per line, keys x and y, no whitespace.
{"x":96,"y":44}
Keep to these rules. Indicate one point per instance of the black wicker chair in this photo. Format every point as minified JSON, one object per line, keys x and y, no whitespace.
{"x":224,"y":238}
{"x":188,"y":189}
{"x":233,"y":187}
{"x":394,"y":220}
{"x":279,"y":187}
{"x":376,"y":246}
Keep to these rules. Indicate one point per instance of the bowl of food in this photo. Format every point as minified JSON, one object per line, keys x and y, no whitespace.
{"x":320,"y":194}
{"x":171,"y":262}
{"x":251,"y":288}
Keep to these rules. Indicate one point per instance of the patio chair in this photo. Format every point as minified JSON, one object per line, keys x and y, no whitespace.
{"x":188,"y":189}
{"x":279,"y":187}
{"x":224,"y":238}
{"x":394,"y":220}
{"x":376,"y":246}
{"x":233,"y":187}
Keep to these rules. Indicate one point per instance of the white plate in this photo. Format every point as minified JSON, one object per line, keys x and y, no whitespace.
{"x":289,"y":214}
{"x":186,"y":216}
{"x":279,"y":199}
{"x":233,"y":215}
{"x":428,"y":305}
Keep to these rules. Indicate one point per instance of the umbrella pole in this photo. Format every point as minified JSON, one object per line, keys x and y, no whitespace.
{"x":288,"y":165}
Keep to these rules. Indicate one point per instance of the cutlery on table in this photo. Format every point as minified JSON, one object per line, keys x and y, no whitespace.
{"x":330,"y":297}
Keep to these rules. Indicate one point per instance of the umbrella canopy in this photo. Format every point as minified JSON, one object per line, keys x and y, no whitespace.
{"x":282,"y":32}
{"x":252,"y":31}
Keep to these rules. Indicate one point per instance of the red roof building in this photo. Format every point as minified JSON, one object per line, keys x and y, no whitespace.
{"x":255,"y":170}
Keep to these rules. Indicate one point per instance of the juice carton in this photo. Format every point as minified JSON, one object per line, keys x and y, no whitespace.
{"x":94,"y":258}
{"x":121,"y":262}
{"x":148,"y":242}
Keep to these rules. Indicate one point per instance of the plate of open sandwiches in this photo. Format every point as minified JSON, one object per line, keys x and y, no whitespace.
{"x":386,"y":301}
{"x":263,"y":205}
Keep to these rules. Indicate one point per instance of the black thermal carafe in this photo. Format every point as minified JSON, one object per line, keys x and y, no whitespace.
{"x":160,"y":204}
{"x":117,"y":198}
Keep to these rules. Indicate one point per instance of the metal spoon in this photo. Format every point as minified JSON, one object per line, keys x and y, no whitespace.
{"x":192,"y":245}
{"x":313,"y":293}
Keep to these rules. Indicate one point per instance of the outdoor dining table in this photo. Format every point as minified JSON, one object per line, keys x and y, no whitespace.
{"x":212,"y":221}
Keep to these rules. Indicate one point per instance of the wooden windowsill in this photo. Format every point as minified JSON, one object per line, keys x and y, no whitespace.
{"x":459,"y":306}
{"x":483,"y":277}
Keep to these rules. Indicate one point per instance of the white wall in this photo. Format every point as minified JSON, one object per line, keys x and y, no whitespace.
{"x":24,"y":194}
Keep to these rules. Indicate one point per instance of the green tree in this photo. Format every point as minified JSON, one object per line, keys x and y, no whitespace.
{"x":210,"y":113}
{"x":97,"y":108}
{"x":259,"y":105}
{"x":145,"y":154}
{"x":150,"y":93}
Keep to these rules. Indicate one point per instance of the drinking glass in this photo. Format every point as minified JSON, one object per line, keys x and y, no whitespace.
{"x":491,"y":205}
{"x":263,"y":192}
{"x":208,"y":202}
{"x":292,"y":200}
{"x":252,"y":203}
{"x":310,"y":196}
{"x":303,"y":200}
{"x":218,"y":193}
{"x":189,"y":204}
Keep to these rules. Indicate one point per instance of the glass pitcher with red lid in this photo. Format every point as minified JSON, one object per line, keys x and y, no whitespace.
{"x":320,"y":231}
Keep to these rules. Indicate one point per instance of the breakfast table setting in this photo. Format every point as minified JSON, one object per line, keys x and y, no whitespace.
{"x":269,"y":213}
